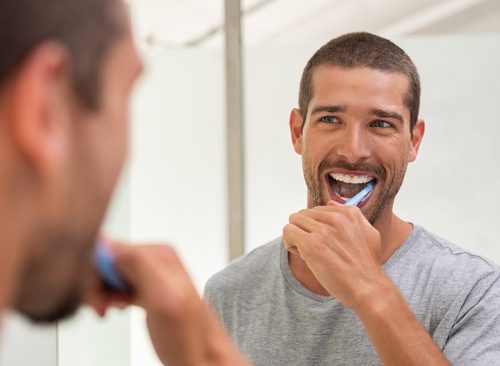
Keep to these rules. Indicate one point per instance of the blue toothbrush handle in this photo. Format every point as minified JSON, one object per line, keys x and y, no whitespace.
{"x":105,"y":264}
{"x":354,"y":201}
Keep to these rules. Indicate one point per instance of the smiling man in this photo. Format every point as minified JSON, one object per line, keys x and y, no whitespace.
{"x":349,"y":285}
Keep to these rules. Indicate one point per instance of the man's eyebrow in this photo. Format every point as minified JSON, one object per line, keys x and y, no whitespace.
{"x":387,"y":114}
{"x":328,"y":108}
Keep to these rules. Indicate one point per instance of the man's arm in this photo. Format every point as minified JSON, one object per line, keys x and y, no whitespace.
{"x":183,"y":329}
{"x":342,"y":250}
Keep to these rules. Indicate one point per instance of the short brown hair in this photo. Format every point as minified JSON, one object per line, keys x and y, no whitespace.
{"x":363,"y":50}
{"x":86,"y":28}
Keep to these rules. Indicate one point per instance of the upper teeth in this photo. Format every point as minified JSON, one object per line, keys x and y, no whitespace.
{"x":353,"y":179}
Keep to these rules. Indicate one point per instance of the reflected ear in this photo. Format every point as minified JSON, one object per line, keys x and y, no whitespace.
{"x":296,"y":122}
{"x":40,"y":101}
{"x":418,"y":134}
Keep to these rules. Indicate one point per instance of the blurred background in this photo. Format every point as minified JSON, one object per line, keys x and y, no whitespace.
{"x":185,"y":184}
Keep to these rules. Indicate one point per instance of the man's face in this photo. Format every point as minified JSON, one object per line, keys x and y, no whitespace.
{"x":78,"y":193}
{"x":356,"y":131}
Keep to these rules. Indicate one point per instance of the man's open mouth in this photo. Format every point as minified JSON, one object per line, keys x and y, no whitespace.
{"x":345,"y":186}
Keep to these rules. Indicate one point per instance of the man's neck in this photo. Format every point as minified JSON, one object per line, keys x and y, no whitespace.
{"x":393,"y":232}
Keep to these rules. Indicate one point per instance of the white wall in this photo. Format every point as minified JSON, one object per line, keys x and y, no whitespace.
{"x":178,"y":179}
{"x":23,"y":343}
{"x":452,"y":187}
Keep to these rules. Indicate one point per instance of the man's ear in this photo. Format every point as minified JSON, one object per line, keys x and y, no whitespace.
{"x":296,"y":124}
{"x":417,"y":136}
{"x":39,"y":105}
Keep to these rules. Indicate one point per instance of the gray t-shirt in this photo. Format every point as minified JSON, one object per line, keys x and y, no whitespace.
{"x":276,"y":321}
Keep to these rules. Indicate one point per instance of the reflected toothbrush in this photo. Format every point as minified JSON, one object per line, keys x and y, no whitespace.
{"x":354,"y":201}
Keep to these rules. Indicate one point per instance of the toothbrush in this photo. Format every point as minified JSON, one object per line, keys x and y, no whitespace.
{"x":105,"y":264}
{"x":354,"y":201}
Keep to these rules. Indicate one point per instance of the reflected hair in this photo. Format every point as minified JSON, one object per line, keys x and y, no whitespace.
{"x":363,"y":50}
{"x":86,"y":28}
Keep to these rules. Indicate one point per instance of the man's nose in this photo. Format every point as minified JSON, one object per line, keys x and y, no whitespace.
{"x":353,"y":144}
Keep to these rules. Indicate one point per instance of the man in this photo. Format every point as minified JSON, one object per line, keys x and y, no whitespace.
{"x":66,"y":72}
{"x":358,"y":285}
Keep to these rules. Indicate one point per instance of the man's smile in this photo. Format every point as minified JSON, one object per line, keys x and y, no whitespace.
{"x":343,"y":186}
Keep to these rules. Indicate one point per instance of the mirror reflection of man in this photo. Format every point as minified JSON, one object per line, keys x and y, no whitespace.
{"x":358,"y":285}
{"x":66,"y":72}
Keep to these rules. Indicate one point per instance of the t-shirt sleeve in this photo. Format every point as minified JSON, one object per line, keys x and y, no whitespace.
{"x":475,"y":337}
{"x":208,"y":294}
{"x":211,"y":295}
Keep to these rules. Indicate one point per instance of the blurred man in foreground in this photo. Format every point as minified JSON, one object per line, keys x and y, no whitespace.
{"x":66,"y":72}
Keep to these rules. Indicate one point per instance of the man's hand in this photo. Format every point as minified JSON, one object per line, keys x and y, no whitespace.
{"x":341,"y":248}
{"x":183,"y":329}
{"x":343,"y":251}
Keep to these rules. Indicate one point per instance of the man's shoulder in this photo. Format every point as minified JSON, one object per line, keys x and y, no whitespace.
{"x":451,"y":254}
{"x":450,"y":267}
{"x":247,"y":269}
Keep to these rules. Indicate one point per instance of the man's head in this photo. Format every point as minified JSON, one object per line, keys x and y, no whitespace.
{"x":66,"y":72}
{"x":357,"y":121}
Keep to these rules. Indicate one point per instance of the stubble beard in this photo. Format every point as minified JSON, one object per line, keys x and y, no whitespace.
{"x":319,"y":195}
{"x":52,"y":284}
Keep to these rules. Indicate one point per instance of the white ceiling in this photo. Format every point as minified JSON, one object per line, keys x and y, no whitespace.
{"x":181,"y":23}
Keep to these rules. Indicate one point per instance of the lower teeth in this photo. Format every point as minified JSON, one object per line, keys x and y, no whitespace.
{"x":337,"y":190}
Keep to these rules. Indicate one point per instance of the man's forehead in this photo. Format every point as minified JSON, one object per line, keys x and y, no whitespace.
{"x":369,"y":84}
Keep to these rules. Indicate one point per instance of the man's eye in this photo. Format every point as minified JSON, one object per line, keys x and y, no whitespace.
{"x":381,"y":124}
{"x":329,"y":119}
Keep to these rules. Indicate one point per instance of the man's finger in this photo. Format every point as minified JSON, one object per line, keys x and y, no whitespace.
{"x":335,"y":203}
{"x":327,"y":215}
{"x":294,"y":238}
{"x":292,"y":249}
{"x":304,"y":222}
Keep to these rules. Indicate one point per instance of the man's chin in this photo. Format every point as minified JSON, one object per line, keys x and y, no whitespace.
{"x":61,"y":311}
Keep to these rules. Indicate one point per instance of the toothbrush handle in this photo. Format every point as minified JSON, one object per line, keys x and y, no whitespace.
{"x":105,"y":265}
{"x":354,"y":201}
